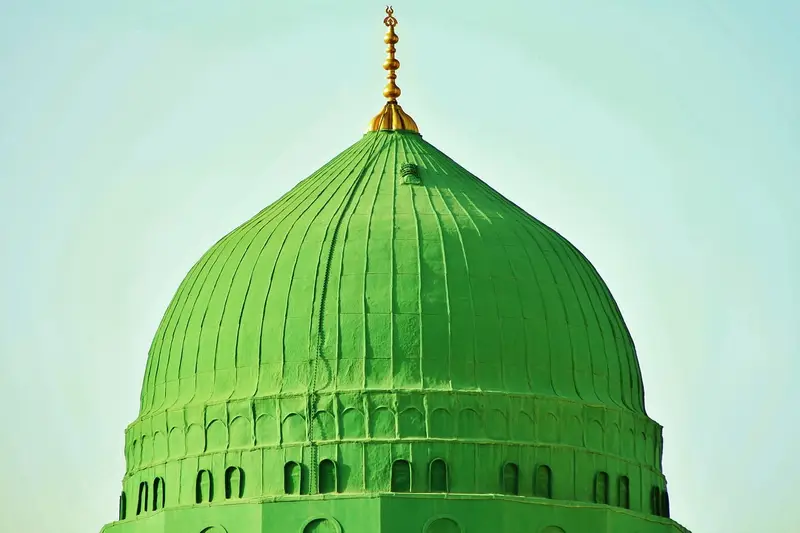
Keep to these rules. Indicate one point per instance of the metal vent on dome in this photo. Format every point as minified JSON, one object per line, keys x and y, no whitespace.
{"x":409,"y":172}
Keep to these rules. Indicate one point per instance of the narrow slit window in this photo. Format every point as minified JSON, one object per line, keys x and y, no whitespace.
{"x":123,"y":505}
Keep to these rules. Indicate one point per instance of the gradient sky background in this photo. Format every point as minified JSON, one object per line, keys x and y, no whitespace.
{"x":662,"y":138}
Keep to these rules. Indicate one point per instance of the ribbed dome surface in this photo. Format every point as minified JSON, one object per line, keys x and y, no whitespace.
{"x":369,"y":275}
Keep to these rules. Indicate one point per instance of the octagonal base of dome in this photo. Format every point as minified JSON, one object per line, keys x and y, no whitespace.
{"x":397,"y":513}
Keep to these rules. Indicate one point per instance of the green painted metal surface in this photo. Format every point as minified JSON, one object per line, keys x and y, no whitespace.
{"x":393,"y":346}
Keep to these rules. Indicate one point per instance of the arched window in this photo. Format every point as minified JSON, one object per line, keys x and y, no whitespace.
{"x":158,"y":493}
{"x":234,"y":482}
{"x":665,"y":504}
{"x":327,"y":477}
{"x":204,"y":487}
{"x":123,"y":505}
{"x":601,"y":488}
{"x":141,"y":504}
{"x":624,"y":492}
{"x":510,"y":478}
{"x":292,"y":478}
{"x":655,"y":501}
{"x":543,"y":482}
{"x":401,"y":476}
{"x":439,"y":481}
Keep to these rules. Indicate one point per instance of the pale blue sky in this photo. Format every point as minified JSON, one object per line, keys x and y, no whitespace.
{"x":662,"y":138}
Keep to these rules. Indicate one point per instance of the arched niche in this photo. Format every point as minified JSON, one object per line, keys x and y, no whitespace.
{"x":497,"y":425}
{"x":177,"y":442}
{"x":381,"y":423}
{"x":241,"y":433}
{"x":470,"y":425}
{"x":601,"y":488}
{"x":401,"y":476}
{"x":322,"y":525}
{"x":624,"y":489}
{"x":411,"y":423}
{"x":353,"y":424}
{"x":159,"y":447}
{"x":523,"y":429}
{"x":266,"y":430}
{"x":438,"y":476}
{"x":204,"y":487}
{"x":234,"y":482}
{"x":216,"y":436}
{"x":195,"y":440}
{"x":327,"y":479}
{"x":293,"y":429}
{"x":141,"y":502}
{"x":548,"y":431}
{"x":510,"y":477}
{"x":543,"y":482}
{"x":159,"y":496}
{"x":147,"y":450}
{"x":442,"y":525}
{"x":441,"y":422}
{"x":324,"y":426}
{"x":595,"y":436}
{"x":294,"y":478}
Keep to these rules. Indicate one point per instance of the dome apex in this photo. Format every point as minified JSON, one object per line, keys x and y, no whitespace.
{"x":392,"y":116}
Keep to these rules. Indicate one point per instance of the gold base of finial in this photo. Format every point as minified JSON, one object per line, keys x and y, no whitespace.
{"x":392,"y":117}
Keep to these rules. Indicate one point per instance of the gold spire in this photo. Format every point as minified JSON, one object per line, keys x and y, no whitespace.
{"x":392,"y":116}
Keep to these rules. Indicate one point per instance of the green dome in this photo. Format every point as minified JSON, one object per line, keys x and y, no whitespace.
{"x":360,"y":279}
{"x":394,"y":325}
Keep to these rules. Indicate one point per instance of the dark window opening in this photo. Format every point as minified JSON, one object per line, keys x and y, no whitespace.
{"x":601,"y":488}
{"x":543,"y":482}
{"x":158,"y":493}
{"x":141,"y":504}
{"x":624,"y":492}
{"x":292,"y":478}
{"x":123,"y":504}
{"x":328,"y":482}
{"x":665,"y":504}
{"x":204,"y":488}
{"x":510,"y":479}
{"x":655,"y":501}
{"x":439,"y":481}
{"x":234,"y":482}
{"x":401,"y":476}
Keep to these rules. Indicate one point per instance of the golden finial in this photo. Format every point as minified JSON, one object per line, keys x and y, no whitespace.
{"x":392,"y":91}
{"x":392,"y":117}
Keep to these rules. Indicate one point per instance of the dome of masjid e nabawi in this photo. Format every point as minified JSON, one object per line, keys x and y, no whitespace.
{"x":393,"y":347}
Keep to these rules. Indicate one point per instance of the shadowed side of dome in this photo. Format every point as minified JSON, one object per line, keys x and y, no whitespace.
{"x":359,"y":279}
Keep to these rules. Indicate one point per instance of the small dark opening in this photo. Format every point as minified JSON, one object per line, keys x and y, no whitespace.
{"x":401,"y":476}
{"x":438,"y":476}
